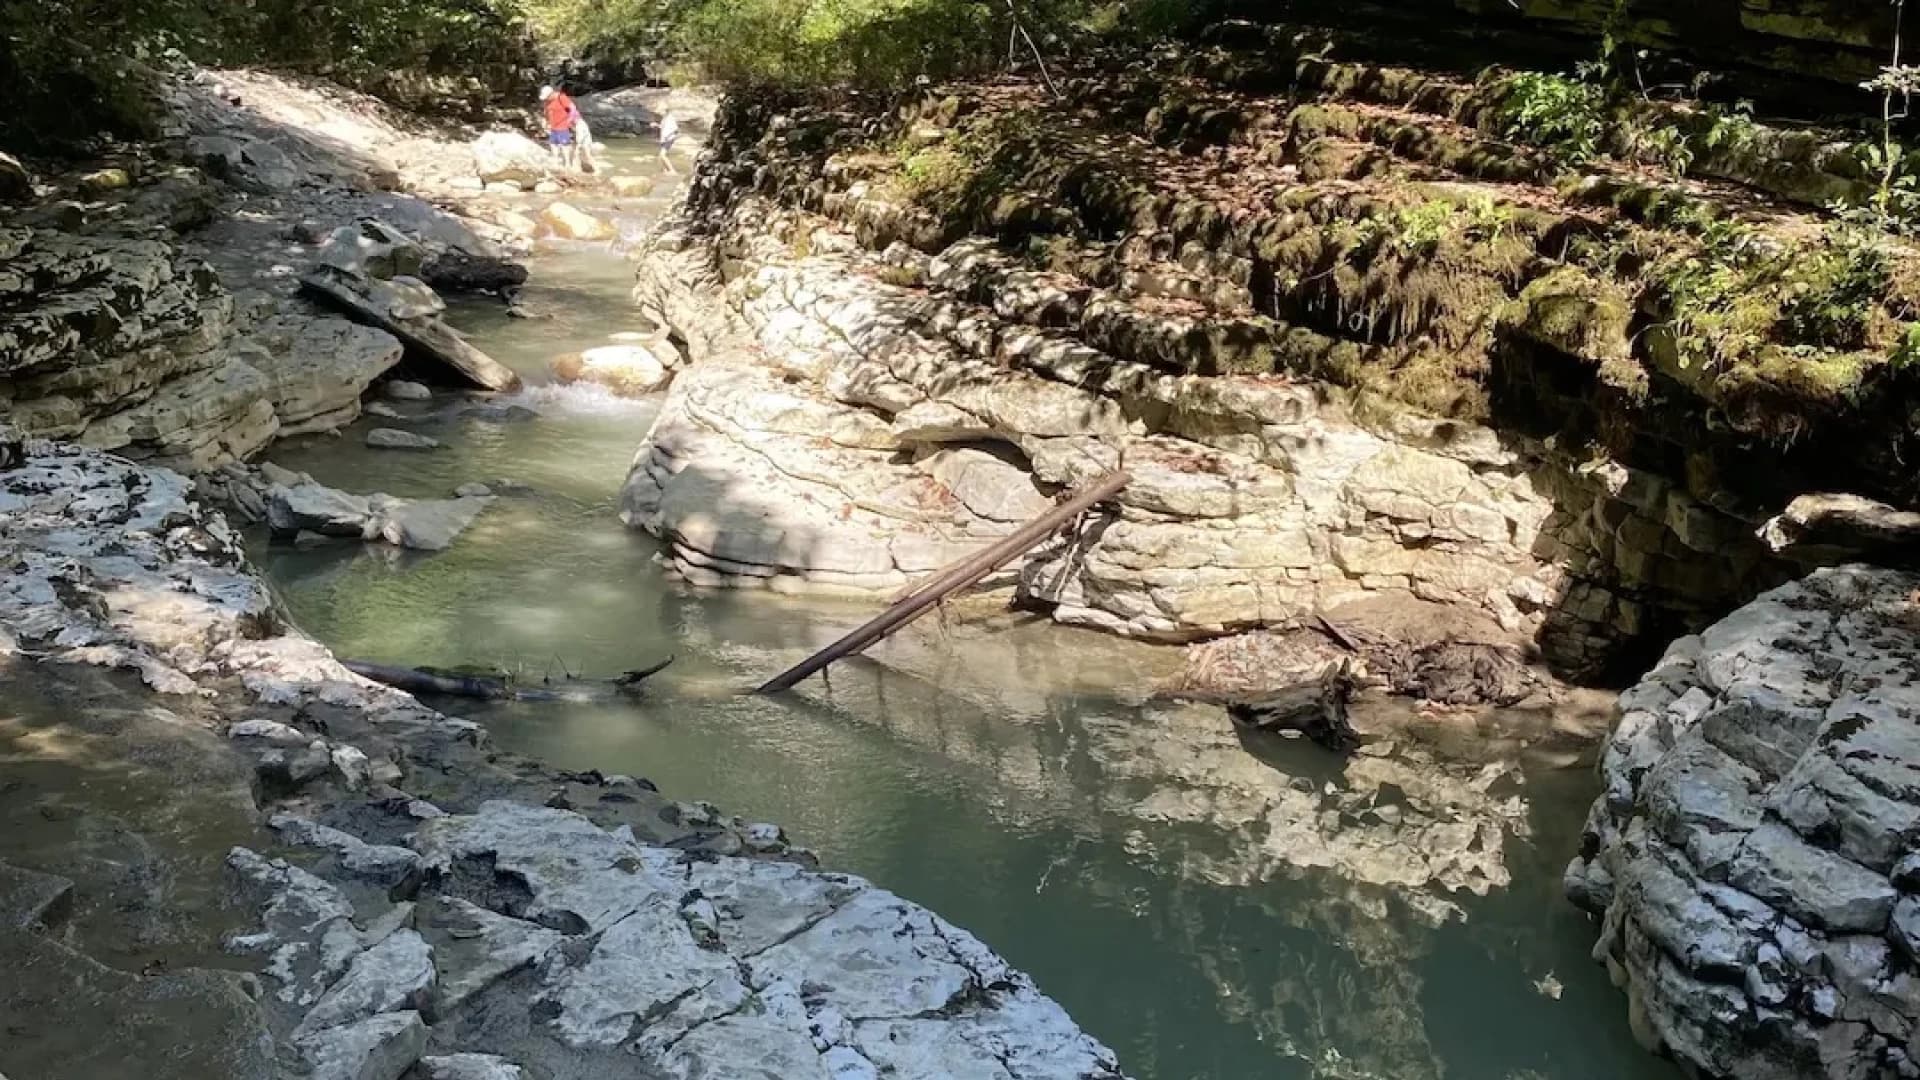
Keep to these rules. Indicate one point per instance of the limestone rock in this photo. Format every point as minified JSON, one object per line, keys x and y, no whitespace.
{"x":380,"y":1047}
{"x":1756,"y":793}
{"x":424,"y":524}
{"x":505,"y":156}
{"x":626,"y":370}
{"x":469,"y":1067}
{"x":317,"y":368}
{"x":373,"y":248}
{"x":317,"y":508}
{"x":1838,"y":527}
{"x":631,"y":187}
{"x":572,"y":223}
{"x":248,"y":163}
{"x":395,"y":974}
{"x":395,"y":439}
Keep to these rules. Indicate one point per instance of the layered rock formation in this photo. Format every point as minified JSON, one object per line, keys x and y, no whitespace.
{"x":1752,"y":856}
{"x":841,"y":430}
{"x":439,"y":903}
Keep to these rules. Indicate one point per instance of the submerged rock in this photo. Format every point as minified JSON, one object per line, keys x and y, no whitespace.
{"x":1760,"y":794}
{"x":395,"y":439}
{"x":424,"y":524}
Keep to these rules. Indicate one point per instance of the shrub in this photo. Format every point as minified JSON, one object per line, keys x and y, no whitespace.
{"x":1566,"y":116}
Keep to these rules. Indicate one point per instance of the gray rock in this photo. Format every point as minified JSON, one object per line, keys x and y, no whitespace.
{"x":476,"y":947}
{"x":469,"y":1067}
{"x":403,"y":390}
{"x":380,"y":863}
{"x":248,"y":163}
{"x":1759,"y":805}
{"x":393,"y":975}
{"x":473,"y":491}
{"x":29,"y":898}
{"x":426,"y":524}
{"x":380,"y":1047}
{"x":395,"y":439}
{"x":1817,"y":886}
{"x":317,"y":508}
{"x":16,"y":183}
{"x":373,"y":248}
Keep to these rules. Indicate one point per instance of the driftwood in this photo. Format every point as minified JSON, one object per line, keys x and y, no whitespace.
{"x":958,"y":576}
{"x":1316,"y":709}
{"x":426,"y":337}
{"x":455,"y":684}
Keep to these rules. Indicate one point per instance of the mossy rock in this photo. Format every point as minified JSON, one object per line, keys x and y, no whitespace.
{"x":1573,"y":312}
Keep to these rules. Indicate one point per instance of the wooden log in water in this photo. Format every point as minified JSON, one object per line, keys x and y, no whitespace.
{"x":426,"y":337}
{"x":956,"y":577}
{"x":420,"y":681}
{"x":1316,"y":709}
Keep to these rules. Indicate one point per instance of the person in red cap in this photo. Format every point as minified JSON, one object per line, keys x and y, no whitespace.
{"x":562,"y":114}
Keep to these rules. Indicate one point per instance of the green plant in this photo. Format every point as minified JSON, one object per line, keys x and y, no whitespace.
{"x":1731,"y":130}
{"x":1566,"y":116}
{"x":1419,"y":229}
{"x":1830,"y":295}
{"x":1657,"y":143}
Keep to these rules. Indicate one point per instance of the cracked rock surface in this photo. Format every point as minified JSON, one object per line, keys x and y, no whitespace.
{"x":1752,"y":854}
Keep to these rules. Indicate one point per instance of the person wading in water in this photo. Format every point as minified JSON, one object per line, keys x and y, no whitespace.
{"x":562,"y":115}
{"x":669,"y":134}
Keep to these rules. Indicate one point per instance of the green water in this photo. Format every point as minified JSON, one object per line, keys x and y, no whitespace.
{"x":1211,"y":906}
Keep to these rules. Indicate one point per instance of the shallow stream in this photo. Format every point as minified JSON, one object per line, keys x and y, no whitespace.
{"x":1210,"y":905}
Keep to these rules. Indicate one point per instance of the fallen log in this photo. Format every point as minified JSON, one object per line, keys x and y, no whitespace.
{"x":1316,"y":709}
{"x":956,"y":577}
{"x":484,"y":688}
{"x":428,"y":337}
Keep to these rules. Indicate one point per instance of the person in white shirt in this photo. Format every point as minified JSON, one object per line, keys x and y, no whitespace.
{"x":669,"y":134}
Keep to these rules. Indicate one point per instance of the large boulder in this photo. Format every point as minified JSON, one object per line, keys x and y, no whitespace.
{"x":1751,"y":854}
{"x":572,"y":223}
{"x":507,"y":156}
{"x":626,"y":370}
{"x":374,"y":248}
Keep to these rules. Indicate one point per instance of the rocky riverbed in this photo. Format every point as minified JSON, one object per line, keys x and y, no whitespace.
{"x":415,"y":900}
{"x":259,"y":864}
{"x":912,"y":328}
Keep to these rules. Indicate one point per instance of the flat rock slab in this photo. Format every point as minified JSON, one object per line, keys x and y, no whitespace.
{"x":737,"y":967}
{"x":186,"y":1026}
{"x":29,"y":898}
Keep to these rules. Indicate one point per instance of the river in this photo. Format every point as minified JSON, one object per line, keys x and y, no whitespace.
{"x":1210,"y":904}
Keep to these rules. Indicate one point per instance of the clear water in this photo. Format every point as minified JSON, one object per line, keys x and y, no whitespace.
{"x":1210,"y":905}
